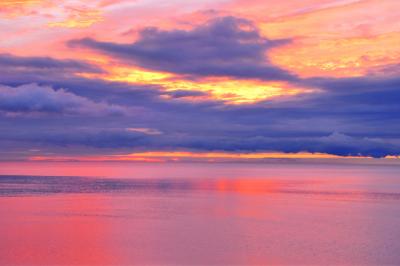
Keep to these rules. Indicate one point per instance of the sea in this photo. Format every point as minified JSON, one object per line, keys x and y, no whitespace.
{"x":72,"y":213}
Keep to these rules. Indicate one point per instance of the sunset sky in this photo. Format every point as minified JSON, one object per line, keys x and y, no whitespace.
{"x":154,"y":80}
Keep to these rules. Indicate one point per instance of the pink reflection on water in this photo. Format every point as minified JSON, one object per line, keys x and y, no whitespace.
{"x":57,"y":230}
{"x":188,"y":214}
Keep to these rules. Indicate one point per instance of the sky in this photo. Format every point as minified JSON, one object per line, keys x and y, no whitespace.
{"x":157,"y":80}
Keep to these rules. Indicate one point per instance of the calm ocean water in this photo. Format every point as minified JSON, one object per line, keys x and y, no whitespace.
{"x":200,"y":214}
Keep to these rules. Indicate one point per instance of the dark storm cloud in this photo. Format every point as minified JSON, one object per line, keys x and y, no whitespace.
{"x":225,"y":46}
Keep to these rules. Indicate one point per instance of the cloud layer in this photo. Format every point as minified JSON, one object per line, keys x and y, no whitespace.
{"x":48,"y":107}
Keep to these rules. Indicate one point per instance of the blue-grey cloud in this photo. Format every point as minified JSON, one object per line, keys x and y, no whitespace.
{"x":186,"y":93}
{"x":225,"y":46}
{"x":33,"y":99}
{"x":45,"y":63}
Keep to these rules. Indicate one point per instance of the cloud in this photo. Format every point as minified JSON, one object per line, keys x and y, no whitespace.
{"x":227,"y":46}
{"x":78,"y":17}
{"x":12,"y":8}
{"x":186,"y":93}
{"x":45,"y":63}
{"x":32,"y":98}
{"x":18,"y":70}
{"x":147,"y":131}
{"x":347,"y":116}
{"x":84,"y":140}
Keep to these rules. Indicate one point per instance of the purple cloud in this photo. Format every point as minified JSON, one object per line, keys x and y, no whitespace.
{"x":225,"y":46}
{"x":33,"y":99}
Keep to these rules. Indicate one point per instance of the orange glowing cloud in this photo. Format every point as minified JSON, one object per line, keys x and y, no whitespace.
{"x":339,"y":57}
{"x":78,"y":17}
{"x":330,"y":38}
{"x":68,"y":14}
{"x":224,"y":89}
{"x":9,"y":4}
{"x":14,"y":8}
